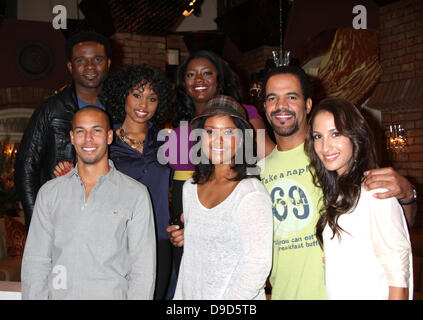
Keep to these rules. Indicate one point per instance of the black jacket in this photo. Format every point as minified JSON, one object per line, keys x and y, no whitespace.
{"x":46,"y":142}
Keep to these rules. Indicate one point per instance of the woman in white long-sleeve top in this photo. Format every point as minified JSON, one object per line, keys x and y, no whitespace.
{"x":227,"y":212}
{"x":365,"y":239}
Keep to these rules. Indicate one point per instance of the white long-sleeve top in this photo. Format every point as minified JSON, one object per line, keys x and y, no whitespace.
{"x":228,"y":248}
{"x":373,"y":253}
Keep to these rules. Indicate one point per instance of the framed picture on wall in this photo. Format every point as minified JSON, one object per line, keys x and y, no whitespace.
{"x":173,"y":56}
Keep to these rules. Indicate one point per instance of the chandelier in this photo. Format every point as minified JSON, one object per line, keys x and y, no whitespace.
{"x":281,"y":57}
{"x":397,"y":139}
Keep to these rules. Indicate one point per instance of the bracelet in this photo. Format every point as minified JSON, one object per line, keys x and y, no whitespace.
{"x":414,"y":199}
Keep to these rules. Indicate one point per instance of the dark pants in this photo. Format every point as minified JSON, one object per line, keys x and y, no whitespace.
{"x":176,"y":251}
{"x":177,"y":211}
{"x":163,"y":268}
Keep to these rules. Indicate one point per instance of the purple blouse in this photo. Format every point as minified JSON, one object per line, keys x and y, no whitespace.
{"x":182,"y":143}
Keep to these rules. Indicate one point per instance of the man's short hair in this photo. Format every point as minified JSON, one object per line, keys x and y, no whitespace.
{"x":294,"y":70}
{"x":87,"y":36}
{"x":93,"y":108}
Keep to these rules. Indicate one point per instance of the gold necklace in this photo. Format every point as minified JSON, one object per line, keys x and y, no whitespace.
{"x":130,"y":141}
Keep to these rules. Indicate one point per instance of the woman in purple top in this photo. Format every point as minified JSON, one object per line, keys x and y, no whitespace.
{"x":202,"y":76}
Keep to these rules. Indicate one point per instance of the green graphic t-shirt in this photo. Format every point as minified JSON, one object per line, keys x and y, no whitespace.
{"x":298,"y":271}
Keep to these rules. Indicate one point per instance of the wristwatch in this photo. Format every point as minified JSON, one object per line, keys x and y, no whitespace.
{"x":414,"y":199}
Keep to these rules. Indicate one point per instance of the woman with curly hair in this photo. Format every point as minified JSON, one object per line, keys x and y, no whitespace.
{"x":365,"y":240}
{"x":228,"y":212}
{"x":137,"y":98}
{"x":202,"y":76}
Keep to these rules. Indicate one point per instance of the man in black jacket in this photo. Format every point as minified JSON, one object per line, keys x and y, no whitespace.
{"x":46,"y":140}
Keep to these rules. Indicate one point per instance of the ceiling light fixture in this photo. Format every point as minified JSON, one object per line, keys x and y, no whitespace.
{"x":281,"y":58}
{"x":193,"y":7}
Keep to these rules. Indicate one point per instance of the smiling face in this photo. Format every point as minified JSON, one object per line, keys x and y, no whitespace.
{"x":141,"y":104}
{"x":285,"y":107}
{"x":201,"y":80}
{"x":90,"y":136}
{"x":89,"y":65}
{"x":333,"y":149}
{"x":220,"y":140}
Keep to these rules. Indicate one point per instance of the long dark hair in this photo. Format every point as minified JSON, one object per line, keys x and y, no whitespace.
{"x":204,"y":171}
{"x":341,"y":192}
{"x":117,"y":87}
{"x":228,"y":84}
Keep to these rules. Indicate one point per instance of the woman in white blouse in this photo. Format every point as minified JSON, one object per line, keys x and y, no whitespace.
{"x":227,"y":213}
{"x":365,"y":239}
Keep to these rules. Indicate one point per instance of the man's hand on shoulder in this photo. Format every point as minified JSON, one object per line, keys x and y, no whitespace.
{"x":397,"y":185}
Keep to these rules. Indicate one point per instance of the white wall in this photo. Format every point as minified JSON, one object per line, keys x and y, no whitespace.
{"x":41,"y":10}
{"x":203,"y":23}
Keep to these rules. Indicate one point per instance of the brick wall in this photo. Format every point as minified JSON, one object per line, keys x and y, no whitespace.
{"x":401,"y":58}
{"x":129,"y":49}
{"x":255,"y":60}
{"x":401,"y":40}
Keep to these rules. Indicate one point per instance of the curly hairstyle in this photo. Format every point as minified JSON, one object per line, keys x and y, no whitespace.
{"x":204,"y":171}
{"x":117,"y":87}
{"x":341,"y":192}
{"x":228,"y":84}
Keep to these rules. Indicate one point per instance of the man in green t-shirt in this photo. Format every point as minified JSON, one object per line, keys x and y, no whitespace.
{"x":298,"y":269}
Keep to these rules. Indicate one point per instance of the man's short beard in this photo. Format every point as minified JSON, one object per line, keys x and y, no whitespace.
{"x":285,"y":132}
{"x":89,"y":160}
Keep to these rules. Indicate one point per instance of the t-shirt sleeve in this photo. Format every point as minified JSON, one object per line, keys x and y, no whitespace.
{"x":390,"y":240}
{"x":254,"y":214}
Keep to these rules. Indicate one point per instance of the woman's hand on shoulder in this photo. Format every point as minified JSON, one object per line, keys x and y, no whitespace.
{"x":62,"y":168}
